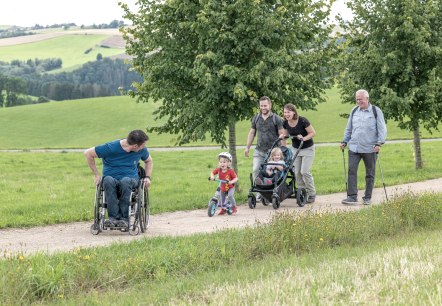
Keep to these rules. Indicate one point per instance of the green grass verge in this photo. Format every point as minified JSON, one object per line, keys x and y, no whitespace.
{"x":48,"y":188}
{"x":70,"y":48}
{"x":140,"y":271}
{"x":88,"y":122}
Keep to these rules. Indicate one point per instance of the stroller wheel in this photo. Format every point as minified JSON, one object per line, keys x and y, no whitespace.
{"x":264,"y":201}
{"x":301,"y":197}
{"x":275,"y":202}
{"x":251,"y":201}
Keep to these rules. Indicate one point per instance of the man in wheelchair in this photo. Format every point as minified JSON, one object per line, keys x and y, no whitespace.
{"x":120,"y":172}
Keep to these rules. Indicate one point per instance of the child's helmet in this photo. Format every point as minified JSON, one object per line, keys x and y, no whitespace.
{"x":226,"y":155}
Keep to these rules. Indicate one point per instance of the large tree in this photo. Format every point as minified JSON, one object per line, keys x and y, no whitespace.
{"x":10,"y":88}
{"x":394,"y":50}
{"x":207,"y":62}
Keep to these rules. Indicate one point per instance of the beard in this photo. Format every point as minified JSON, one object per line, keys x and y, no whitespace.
{"x":265,"y":111}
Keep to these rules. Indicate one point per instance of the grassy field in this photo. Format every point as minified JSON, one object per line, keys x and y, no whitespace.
{"x":70,"y":48}
{"x":88,"y":122}
{"x":48,"y":188}
{"x":383,"y":254}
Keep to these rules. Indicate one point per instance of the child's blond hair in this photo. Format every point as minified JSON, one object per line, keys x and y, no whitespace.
{"x":276,"y":151}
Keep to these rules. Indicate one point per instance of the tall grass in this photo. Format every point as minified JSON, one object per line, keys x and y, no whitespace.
{"x":87,"y":122}
{"x":48,"y":188}
{"x":41,"y":278}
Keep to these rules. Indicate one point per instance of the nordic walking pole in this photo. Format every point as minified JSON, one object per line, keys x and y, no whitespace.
{"x":382,"y":175}
{"x":345,"y":172}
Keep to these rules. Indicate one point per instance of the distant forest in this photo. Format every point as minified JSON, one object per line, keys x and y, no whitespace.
{"x":100,"y":78}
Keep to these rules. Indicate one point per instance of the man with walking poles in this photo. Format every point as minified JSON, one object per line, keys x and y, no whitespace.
{"x":364,"y":135}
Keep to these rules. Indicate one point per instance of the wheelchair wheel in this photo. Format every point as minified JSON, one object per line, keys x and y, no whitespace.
{"x":251,"y":201}
{"x":143,"y":208}
{"x":211,"y":209}
{"x":97,"y":227}
{"x":301,"y":196}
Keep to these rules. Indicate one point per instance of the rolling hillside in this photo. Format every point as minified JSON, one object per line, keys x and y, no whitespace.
{"x":70,"y":46}
{"x":87,"y":122}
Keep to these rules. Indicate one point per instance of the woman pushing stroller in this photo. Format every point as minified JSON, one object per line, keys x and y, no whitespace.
{"x":300,"y":127}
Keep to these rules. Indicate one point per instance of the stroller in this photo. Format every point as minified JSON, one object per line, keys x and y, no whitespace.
{"x":279,"y":187}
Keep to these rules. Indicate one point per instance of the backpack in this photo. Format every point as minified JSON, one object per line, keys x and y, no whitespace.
{"x":375,"y":113}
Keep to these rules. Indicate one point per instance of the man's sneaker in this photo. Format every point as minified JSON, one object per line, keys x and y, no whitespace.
{"x":349,"y":201}
{"x":258,"y":197}
{"x":222,"y":211}
{"x":234,"y":209}
{"x":122,"y":223}
{"x":311,"y":199}
{"x":110,"y":223}
{"x":366,"y":201}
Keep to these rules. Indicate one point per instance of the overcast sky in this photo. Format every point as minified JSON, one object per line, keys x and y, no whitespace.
{"x":47,"y":12}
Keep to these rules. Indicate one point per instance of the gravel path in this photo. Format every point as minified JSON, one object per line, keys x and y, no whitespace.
{"x":66,"y":237}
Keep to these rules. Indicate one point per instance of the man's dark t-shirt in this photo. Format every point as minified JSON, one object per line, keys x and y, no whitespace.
{"x":267,"y":131}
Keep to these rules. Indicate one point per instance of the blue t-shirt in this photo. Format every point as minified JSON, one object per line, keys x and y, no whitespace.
{"x":118,"y":163}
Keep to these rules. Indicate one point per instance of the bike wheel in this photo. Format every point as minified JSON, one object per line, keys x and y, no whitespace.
{"x":211,"y":209}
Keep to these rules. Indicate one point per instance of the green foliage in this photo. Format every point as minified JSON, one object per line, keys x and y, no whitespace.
{"x":209,"y":61}
{"x":394,"y":51}
{"x":10,"y":88}
{"x":116,"y":268}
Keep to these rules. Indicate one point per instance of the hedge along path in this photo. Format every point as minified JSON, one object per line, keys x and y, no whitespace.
{"x":70,"y":236}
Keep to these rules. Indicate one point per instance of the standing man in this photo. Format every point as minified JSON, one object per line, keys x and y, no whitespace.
{"x":120,"y":171}
{"x":269,"y":127}
{"x":365,"y":134}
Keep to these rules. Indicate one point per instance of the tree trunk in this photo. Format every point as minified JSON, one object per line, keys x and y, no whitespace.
{"x":232,"y":149}
{"x":417,"y":148}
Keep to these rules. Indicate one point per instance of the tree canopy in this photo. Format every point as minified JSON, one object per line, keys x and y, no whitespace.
{"x":394,"y":50}
{"x":208,"y":62}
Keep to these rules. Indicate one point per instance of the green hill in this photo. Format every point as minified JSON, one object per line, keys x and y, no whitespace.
{"x":87,"y":122}
{"x":70,"y":48}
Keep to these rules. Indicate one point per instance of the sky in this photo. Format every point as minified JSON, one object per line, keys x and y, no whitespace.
{"x":27,"y":13}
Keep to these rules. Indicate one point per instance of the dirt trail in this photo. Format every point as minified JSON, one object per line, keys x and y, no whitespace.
{"x":66,"y":237}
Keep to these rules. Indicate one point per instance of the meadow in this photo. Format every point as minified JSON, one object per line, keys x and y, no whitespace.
{"x":70,"y":48}
{"x":49,"y":188}
{"x":88,"y":122}
{"x":383,"y":254}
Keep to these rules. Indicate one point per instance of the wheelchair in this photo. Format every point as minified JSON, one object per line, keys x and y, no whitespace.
{"x":139,"y":210}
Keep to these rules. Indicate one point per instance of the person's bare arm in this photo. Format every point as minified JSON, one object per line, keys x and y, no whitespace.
{"x":90,"y":155}
{"x":311,"y":133}
{"x":148,"y":167}
{"x":250,"y":138}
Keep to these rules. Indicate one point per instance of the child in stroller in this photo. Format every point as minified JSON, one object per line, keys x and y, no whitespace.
{"x":276,"y":186}
{"x":274,"y":168}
